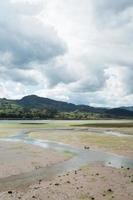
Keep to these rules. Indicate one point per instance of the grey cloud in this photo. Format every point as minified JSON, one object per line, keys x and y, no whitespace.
{"x":27,"y":39}
{"x":24,"y":49}
{"x":91,"y":83}
{"x":113,"y":13}
{"x":127,"y":79}
{"x":57,"y":72}
{"x":23,"y":78}
{"x":112,"y":5}
{"x":18,"y":76}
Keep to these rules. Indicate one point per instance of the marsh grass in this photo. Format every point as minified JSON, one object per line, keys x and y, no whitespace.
{"x":90,"y":139}
{"x":107,"y":125}
{"x":68,"y":154}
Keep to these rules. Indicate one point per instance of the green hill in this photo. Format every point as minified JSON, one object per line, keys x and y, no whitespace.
{"x":35,"y":107}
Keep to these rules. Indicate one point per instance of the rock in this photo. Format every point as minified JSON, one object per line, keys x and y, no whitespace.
{"x":110,"y":190}
{"x":57,"y":184}
{"x":40,"y":181}
{"x":68,"y":182}
{"x":97,"y":174}
{"x":9,"y":192}
{"x":36,"y":188}
{"x":86,"y":147}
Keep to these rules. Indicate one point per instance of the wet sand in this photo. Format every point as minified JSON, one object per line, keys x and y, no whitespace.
{"x":17,"y":158}
{"x":94,"y":182}
{"x":5,"y":132}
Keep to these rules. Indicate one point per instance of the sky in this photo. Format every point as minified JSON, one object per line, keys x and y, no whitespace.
{"x":75,"y":51}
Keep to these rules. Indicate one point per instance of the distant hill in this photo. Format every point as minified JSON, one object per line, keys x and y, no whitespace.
{"x":35,"y":107}
{"x":120,"y":112}
{"x":34,"y":101}
{"x":130,"y":108}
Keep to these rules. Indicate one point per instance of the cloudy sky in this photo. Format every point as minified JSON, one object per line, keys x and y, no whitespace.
{"x":69,"y":50}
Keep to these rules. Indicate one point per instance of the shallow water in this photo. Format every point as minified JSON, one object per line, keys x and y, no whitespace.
{"x":116,"y":133}
{"x":80,"y":158}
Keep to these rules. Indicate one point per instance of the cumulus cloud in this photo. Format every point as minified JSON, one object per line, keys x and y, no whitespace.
{"x":78,"y":51}
{"x":27,"y":41}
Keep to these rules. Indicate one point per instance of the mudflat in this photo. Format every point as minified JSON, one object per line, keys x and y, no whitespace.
{"x":17,"y":158}
{"x":89,"y":182}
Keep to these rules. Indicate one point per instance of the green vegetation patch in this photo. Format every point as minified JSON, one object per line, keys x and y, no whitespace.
{"x":33,"y":123}
{"x":107,"y":125}
{"x":68,"y":154}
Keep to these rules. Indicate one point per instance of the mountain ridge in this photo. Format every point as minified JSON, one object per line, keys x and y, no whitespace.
{"x":36,"y":103}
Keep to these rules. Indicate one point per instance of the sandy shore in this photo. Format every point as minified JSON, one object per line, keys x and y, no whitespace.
{"x":94,"y":182}
{"x":17,"y":158}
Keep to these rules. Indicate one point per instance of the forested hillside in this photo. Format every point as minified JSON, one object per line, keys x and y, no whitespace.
{"x":34,"y":107}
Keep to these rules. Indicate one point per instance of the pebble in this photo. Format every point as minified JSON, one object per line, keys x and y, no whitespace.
{"x":109,"y":190}
{"x":57,"y":184}
{"x":10,"y":192}
{"x":68,"y":182}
